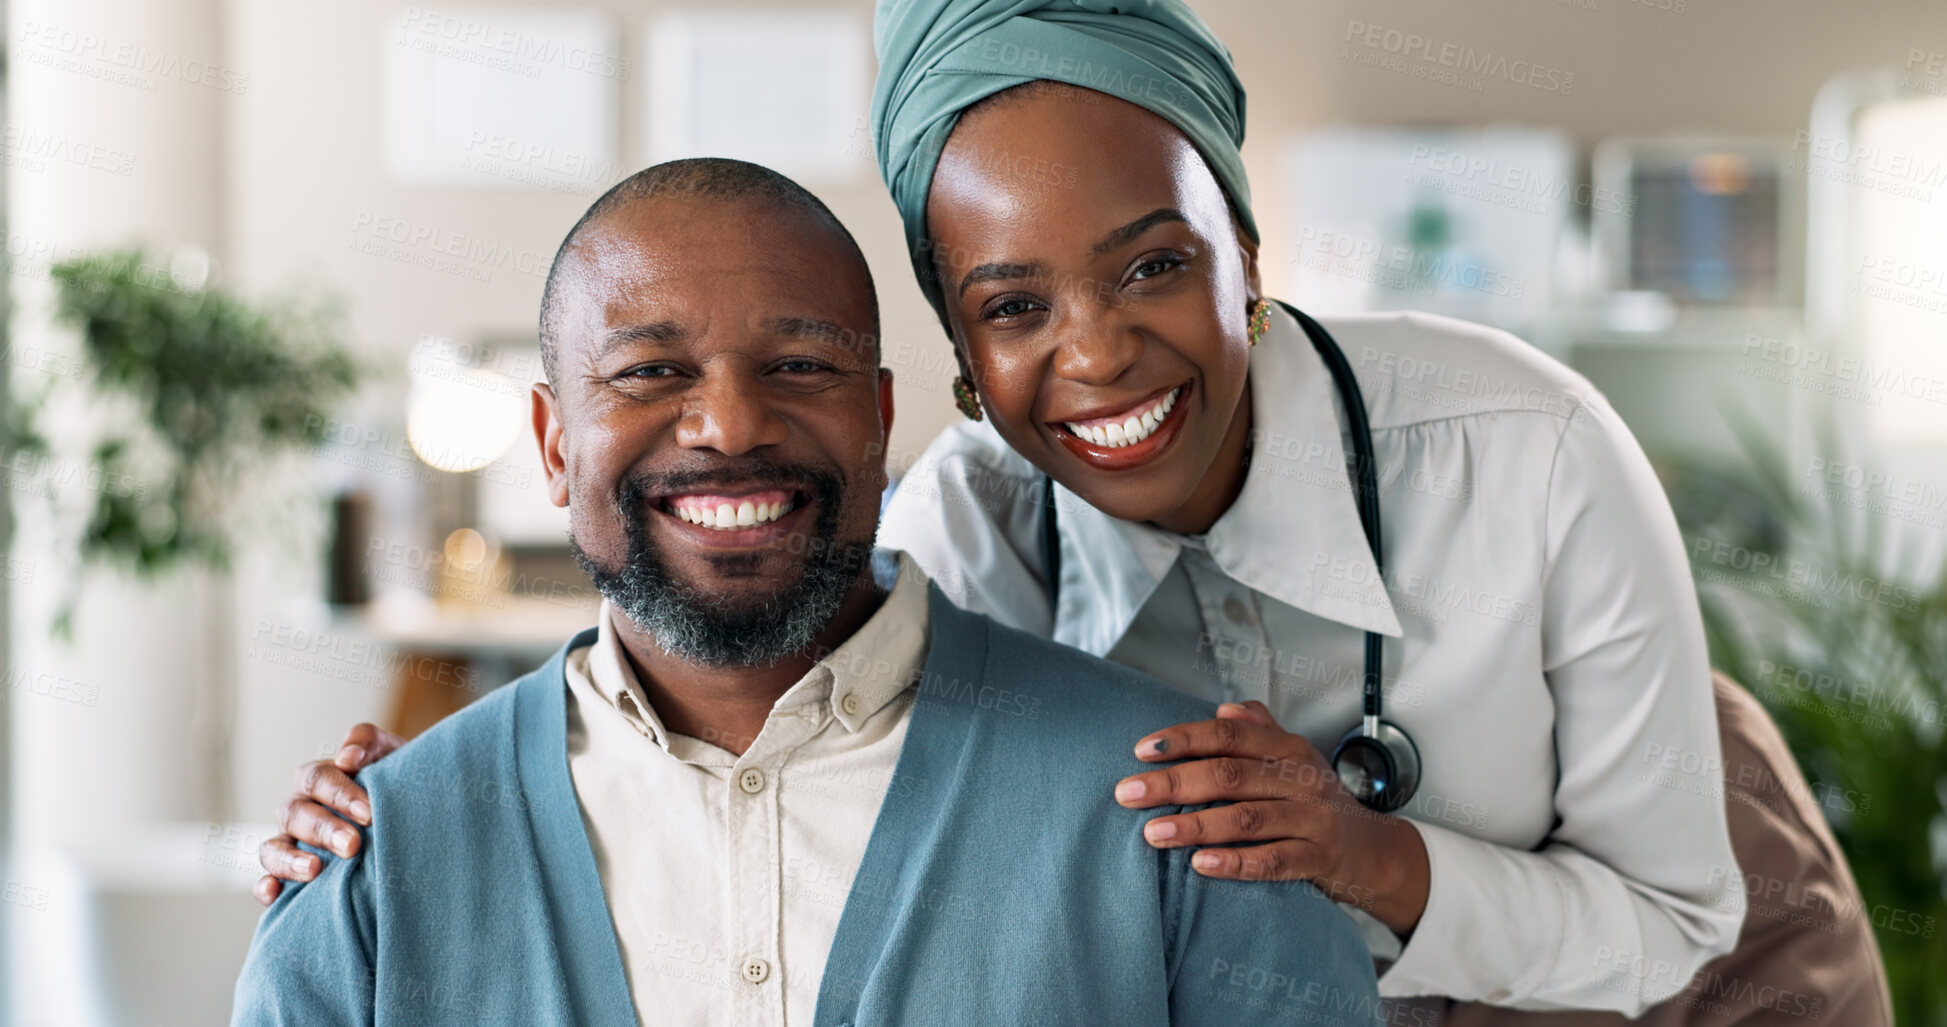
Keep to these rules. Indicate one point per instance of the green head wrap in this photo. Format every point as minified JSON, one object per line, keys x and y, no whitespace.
{"x":939,"y":57}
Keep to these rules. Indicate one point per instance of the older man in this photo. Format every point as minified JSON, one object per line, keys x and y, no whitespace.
{"x":781,"y":781}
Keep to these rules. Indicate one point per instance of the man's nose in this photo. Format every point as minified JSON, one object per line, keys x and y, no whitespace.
{"x":732,"y":414}
{"x":1095,"y":346}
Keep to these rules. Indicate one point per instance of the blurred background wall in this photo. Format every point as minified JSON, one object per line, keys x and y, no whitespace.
{"x":361,"y":151}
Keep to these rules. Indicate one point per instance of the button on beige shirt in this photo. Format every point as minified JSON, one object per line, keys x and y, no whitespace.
{"x":725,"y":875}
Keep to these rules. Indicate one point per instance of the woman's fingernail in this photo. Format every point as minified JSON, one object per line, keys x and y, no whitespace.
{"x":342,"y":843}
{"x":351,"y":755}
{"x":362,"y":810}
{"x":305,"y":866}
{"x":1204,"y":861}
{"x":1130,"y":791}
{"x":1159,"y":830}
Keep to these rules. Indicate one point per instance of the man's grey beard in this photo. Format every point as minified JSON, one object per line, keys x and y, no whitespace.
{"x":714,"y":630}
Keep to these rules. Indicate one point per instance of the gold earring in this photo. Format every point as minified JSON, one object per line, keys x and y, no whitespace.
{"x":966,"y":398}
{"x":1260,"y":321}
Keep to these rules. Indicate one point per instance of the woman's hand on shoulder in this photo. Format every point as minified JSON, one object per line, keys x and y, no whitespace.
{"x":317,"y":813}
{"x":1282,"y":794}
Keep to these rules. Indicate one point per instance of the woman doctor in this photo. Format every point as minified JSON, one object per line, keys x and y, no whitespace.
{"x":1073,"y":192}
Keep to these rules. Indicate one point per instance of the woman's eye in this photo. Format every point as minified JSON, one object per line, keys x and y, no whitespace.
{"x":1152,"y":268}
{"x":1009,"y":308}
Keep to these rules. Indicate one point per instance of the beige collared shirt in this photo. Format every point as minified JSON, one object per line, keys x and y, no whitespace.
{"x":1543,"y":643}
{"x":725,"y":875}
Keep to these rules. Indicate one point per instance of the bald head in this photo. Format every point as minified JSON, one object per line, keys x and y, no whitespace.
{"x":733,"y":187}
{"x":711,"y":341}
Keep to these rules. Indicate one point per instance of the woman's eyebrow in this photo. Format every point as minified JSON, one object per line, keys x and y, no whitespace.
{"x":998,"y":272}
{"x":1135,"y":229}
{"x":1119,"y":237}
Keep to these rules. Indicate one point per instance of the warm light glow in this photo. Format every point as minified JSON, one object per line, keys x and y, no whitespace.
{"x":465,"y":549}
{"x":463,"y":420}
{"x":1720,"y":174}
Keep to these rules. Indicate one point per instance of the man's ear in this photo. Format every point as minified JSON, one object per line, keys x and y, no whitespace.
{"x":885,"y":426}
{"x":885,"y":402}
{"x":547,"y":434}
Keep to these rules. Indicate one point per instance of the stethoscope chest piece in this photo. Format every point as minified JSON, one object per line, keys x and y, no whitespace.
{"x":1379,"y":764}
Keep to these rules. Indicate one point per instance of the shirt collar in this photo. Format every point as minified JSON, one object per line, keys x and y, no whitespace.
{"x":883,"y":658}
{"x":857,"y":679}
{"x":1293,"y":533}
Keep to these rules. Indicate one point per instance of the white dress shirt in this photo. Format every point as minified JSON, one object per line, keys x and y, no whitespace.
{"x":725,"y":875}
{"x":1544,"y":649}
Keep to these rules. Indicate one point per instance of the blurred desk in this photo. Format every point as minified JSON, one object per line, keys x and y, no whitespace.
{"x":452,"y":653}
{"x":1677,"y":384}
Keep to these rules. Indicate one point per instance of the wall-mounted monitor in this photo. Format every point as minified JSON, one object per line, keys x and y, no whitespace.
{"x":1712,"y":222}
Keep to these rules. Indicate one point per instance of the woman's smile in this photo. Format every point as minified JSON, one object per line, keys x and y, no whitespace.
{"x":1126,"y":435}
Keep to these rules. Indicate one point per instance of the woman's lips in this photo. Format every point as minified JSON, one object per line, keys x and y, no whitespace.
{"x":1118,"y":453}
{"x":1127,"y":426}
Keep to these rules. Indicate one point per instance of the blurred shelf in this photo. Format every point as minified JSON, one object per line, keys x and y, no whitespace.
{"x":1704,"y":331}
{"x":515,"y":626}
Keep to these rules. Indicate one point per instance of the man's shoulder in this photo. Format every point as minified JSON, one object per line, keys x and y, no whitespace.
{"x":479,"y":737}
{"x":470,"y":753}
{"x":1041,"y":687}
{"x":1080,"y":682}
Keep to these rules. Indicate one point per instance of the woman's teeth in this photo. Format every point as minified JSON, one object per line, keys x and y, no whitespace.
{"x":728,"y":517}
{"x":1129,"y":431}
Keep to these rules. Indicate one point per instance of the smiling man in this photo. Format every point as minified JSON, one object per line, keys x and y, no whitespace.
{"x":783,"y":780}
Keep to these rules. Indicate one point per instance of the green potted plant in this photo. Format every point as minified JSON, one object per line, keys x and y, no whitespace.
{"x":1824,"y":617}
{"x":219,"y":385}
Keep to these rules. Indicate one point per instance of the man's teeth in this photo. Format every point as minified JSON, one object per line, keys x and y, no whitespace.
{"x":725,"y":516}
{"x":1130,"y":431}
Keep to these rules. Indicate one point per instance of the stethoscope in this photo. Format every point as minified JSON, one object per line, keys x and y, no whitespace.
{"x":1376,"y":760}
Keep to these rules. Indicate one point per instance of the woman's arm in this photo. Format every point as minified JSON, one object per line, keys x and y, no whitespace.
{"x":1636,"y":888}
{"x":1638,"y":879}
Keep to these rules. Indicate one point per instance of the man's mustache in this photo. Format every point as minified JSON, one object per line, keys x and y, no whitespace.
{"x":730,"y":476}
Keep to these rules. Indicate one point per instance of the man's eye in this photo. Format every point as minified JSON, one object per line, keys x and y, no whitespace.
{"x":801,"y":366}
{"x":649,"y":371}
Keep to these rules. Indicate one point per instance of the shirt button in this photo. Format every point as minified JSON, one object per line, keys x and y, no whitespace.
{"x":751,"y":780}
{"x":756,"y":971}
{"x":1235,"y":609}
{"x":850,"y":704}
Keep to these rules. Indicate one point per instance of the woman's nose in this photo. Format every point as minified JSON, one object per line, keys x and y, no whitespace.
{"x":1095,"y":347}
{"x":730,"y":413}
